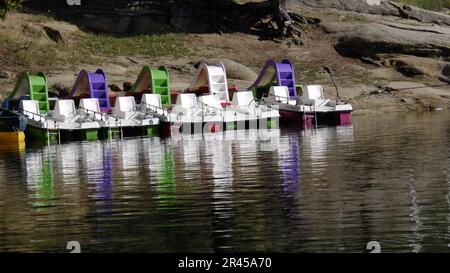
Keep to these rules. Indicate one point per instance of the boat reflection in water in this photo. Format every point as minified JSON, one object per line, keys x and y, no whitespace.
{"x":218,"y":150}
{"x":327,"y":189}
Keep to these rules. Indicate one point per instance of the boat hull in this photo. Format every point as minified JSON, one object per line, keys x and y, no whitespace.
{"x":11,"y":122}
{"x":131,"y":131}
{"x":308,"y":120}
{"x":216,"y":126}
{"x":38,"y":134}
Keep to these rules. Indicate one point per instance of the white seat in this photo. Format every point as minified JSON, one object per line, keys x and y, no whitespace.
{"x":30,"y":107}
{"x":64,"y":110}
{"x":90,"y":107}
{"x":149,"y":100}
{"x":244,"y":102}
{"x":187,"y":104}
{"x":211,"y":100}
{"x":125,"y":107}
{"x":211,"y":105}
{"x":279,"y":93}
{"x":313,"y":95}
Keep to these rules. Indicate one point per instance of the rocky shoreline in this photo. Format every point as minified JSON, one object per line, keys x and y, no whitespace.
{"x":386,"y":56}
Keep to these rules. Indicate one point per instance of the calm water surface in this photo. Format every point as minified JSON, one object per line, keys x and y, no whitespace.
{"x":324,"y":190}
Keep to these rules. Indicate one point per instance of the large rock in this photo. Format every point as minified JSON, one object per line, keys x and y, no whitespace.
{"x":372,"y":39}
{"x":56,"y":31}
{"x":363,"y":6}
{"x":412,"y":66}
{"x":234,"y":69}
{"x":382,"y":7}
{"x":421,"y":15}
{"x":445,"y":74}
{"x":59,"y":31}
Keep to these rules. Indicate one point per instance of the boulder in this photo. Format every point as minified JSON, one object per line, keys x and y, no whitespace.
{"x":411,"y":66}
{"x":375,"y":38}
{"x":382,"y":7}
{"x":54,"y":34}
{"x":421,"y":15}
{"x":34,"y":30}
{"x":445,"y":74}
{"x":58,"y":31}
{"x":362,"y":6}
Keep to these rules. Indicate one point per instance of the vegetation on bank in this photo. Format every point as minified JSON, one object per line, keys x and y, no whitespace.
{"x":146,"y":45}
{"x":428,"y":4}
{"x":8,"y":5}
{"x":86,"y":48}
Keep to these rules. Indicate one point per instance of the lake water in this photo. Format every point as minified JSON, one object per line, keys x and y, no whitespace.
{"x":384,"y":179}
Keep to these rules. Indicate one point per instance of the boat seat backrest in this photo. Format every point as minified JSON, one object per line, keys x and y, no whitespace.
{"x":313,"y":93}
{"x":125,"y":104}
{"x":211,"y":100}
{"x":152,"y":99}
{"x":90,"y":104}
{"x":280,"y":93}
{"x":64,"y":109}
{"x":243,"y":99}
{"x":125,"y":107}
{"x":186,"y":104}
{"x":187,"y":101}
{"x":149,"y":100}
{"x":90,"y":107}
{"x":29,"y":106}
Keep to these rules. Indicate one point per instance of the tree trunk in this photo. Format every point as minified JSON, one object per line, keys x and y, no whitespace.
{"x":281,"y":17}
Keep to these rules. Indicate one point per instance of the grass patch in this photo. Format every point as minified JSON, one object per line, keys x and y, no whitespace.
{"x":144,"y":45}
{"x":353,"y":18}
{"x":311,"y":76}
{"x":41,"y":18}
{"x":428,"y":4}
{"x":89,"y":48}
{"x":35,"y":56}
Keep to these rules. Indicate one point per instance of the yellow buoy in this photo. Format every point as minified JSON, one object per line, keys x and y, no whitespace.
{"x":12,"y":137}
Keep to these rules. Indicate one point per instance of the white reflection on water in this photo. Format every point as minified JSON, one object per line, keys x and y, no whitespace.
{"x":218,"y":148}
{"x":319,"y":145}
{"x":416,"y":237}
{"x":128,"y":159}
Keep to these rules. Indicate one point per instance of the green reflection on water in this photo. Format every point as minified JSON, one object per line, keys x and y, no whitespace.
{"x":166,"y":189}
{"x":44,"y":191}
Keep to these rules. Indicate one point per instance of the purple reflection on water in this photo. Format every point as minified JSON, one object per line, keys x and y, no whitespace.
{"x":106,"y":186}
{"x":104,"y":194}
{"x":103,"y":189}
{"x":291,"y":168}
